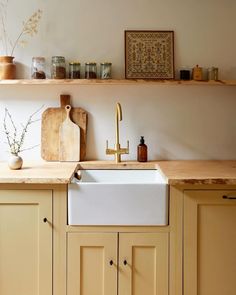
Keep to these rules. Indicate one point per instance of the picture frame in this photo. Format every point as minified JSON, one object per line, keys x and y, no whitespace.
{"x":149,"y":54}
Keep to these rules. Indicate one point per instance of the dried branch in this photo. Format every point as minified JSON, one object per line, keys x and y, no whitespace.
{"x":13,"y":142}
{"x":29,"y":148}
{"x":5,"y":129}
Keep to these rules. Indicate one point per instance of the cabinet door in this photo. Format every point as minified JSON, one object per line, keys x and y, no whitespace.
{"x":143,"y":264}
{"x":92,"y":264}
{"x":25,"y":242}
{"x":209,"y":242}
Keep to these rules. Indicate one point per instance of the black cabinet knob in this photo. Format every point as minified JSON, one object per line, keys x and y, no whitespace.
{"x":45,"y":219}
{"x":125,"y":262}
{"x":229,"y":197}
{"x":111,"y":262}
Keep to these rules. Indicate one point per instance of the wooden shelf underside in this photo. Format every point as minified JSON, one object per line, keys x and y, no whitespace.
{"x":116,"y":82}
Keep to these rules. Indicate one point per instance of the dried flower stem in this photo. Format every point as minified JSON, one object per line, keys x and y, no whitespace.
{"x":3,"y":11}
{"x":29,"y":28}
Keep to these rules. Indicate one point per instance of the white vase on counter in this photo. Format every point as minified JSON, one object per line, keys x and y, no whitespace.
{"x":15,"y":162}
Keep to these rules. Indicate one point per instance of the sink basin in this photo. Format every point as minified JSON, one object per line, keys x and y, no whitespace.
{"x":118,"y":197}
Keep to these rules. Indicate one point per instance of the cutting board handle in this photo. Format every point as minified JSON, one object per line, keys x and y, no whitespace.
{"x":68,"y":108}
{"x":65,"y":100}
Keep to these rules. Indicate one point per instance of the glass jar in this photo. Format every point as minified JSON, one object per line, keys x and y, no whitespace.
{"x":38,"y":68}
{"x":90,"y":70}
{"x":58,"y":67}
{"x":213,"y":73}
{"x":105,"y":70}
{"x":74,"y":70}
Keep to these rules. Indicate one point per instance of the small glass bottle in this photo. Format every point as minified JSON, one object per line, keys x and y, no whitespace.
{"x":74,"y":70}
{"x":105,"y":70}
{"x":38,"y":68}
{"x":90,"y":70}
{"x":142,"y":151}
{"x":58,"y":68}
{"x":197,"y":73}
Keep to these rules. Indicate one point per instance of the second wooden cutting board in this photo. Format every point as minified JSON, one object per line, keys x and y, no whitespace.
{"x":52,"y":118}
{"x":69,"y":139}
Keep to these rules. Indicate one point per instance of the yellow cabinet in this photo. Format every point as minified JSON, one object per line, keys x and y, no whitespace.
{"x":25,"y":242}
{"x":91,"y":264}
{"x":209,"y":242}
{"x":143,"y":264}
{"x":117,"y":263}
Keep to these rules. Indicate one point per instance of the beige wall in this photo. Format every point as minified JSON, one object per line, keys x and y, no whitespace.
{"x":179,"y":122}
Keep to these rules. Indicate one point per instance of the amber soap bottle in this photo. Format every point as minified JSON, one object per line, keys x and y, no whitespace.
{"x":142,"y":151}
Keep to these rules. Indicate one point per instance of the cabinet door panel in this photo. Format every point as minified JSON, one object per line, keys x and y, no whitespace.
{"x":89,"y":269}
{"x":209,"y":243}
{"x":25,"y":242}
{"x":143,"y":264}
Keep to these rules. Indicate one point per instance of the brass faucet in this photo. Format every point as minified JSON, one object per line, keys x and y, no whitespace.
{"x":117,"y":151}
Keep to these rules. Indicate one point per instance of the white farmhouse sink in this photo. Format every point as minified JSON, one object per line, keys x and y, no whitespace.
{"x":118,"y":197}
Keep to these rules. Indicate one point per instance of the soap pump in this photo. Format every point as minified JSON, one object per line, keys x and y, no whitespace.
{"x":142,"y":151}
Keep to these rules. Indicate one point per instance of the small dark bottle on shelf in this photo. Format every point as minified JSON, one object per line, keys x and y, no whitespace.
{"x":142,"y":151}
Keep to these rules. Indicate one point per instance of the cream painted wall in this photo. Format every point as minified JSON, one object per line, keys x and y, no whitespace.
{"x":178,"y":122}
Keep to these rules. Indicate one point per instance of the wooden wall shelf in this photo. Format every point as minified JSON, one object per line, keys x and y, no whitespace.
{"x":116,"y":82}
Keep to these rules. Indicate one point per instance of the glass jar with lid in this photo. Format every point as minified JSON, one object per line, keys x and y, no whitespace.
{"x":38,"y":68}
{"x":58,"y":67}
{"x":105,"y":70}
{"x":90,"y":70}
{"x":74,"y":70}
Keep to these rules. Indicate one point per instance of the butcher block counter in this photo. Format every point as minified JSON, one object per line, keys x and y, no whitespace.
{"x":175,"y":172}
{"x":39,"y":173}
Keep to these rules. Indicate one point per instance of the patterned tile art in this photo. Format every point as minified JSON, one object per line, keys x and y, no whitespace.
{"x":149,"y":54}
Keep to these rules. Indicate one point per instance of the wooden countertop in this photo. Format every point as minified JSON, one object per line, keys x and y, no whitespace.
{"x":175,"y":172}
{"x":39,"y":173}
{"x":199,"y":172}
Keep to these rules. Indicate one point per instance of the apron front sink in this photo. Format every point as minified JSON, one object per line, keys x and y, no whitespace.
{"x":118,"y":197}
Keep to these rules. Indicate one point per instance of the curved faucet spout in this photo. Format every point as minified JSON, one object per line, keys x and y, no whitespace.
{"x":118,"y":111}
{"x":118,"y":118}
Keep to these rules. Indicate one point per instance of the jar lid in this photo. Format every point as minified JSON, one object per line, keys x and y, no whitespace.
{"x":74,"y":63}
{"x":58,"y":58}
{"x":39,"y":58}
{"x":106,"y":63}
{"x":91,"y":63}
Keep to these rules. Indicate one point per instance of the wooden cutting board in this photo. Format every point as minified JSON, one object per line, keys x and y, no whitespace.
{"x":52,"y":118}
{"x":69,"y":139}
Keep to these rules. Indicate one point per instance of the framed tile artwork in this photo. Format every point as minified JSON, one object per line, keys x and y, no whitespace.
{"x":149,"y":54}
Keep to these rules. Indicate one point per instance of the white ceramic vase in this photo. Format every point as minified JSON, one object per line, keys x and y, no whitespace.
{"x":15,"y":162}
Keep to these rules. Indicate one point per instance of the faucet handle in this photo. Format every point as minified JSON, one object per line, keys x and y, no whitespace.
{"x":109,"y":151}
{"x":125,"y":150}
